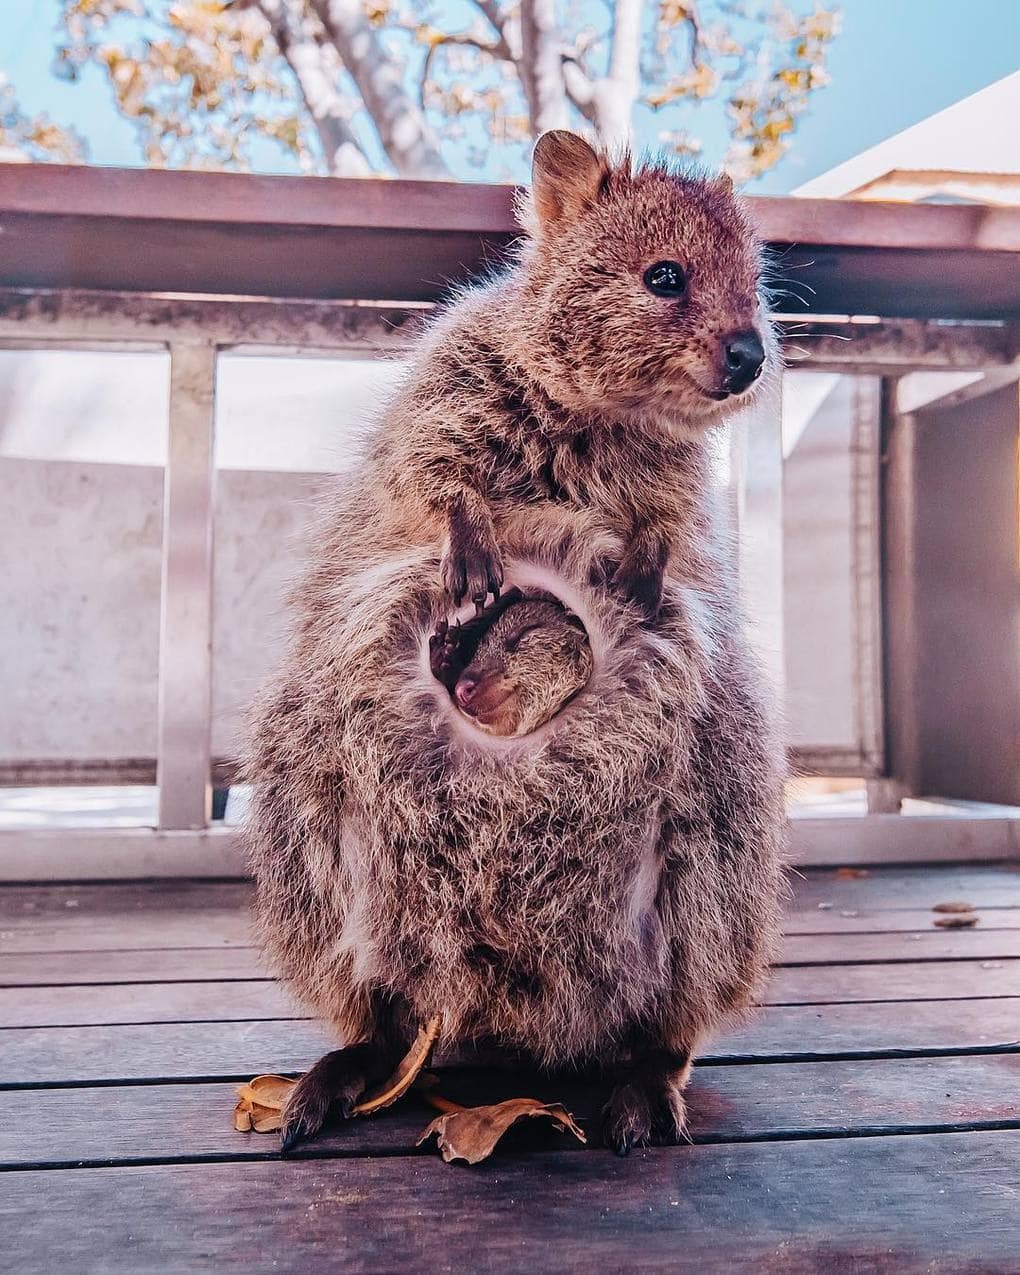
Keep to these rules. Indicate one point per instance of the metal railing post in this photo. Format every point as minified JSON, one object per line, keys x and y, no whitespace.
{"x":756,"y":460}
{"x":185,"y":645}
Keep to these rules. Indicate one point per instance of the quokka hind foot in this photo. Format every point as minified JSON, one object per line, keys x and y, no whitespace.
{"x":332,"y":1086}
{"x":646,"y":1106}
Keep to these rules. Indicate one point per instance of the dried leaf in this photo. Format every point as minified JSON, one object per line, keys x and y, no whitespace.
{"x":471,"y":1133}
{"x":406,"y":1073}
{"x":261,"y":1101}
{"x":953,"y":906}
{"x":852,"y":874}
{"x":266,"y":1119}
{"x":960,"y":921}
{"x":268,"y":1091}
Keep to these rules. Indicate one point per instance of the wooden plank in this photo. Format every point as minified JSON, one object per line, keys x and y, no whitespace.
{"x":938,"y":1203}
{"x":159,"y":965}
{"x":253,"y":235}
{"x":73,"y":1006}
{"x":41,"y":955}
{"x":177,"y":1121}
{"x":172,"y":914}
{"x":830,"y":920}
{"x":225,"y":1050}
{"x":867,"y":1028}
{"x":984,"y":887}
{"x":199,"y":964}
{"x":167,"y":914}
{"x":156,"y":1051}
{"x":278,"y":201}
{"x":145,"y":1003}
{"x":911,"y":945}
{"x":903,"y":981}
{"x":53,"y":916}
{"x":880,"y":347}
{"x":119,"y":854}
{"x":219,"y":964}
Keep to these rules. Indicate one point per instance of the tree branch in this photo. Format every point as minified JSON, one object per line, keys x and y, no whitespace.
{"x":580,"y":86}
{"x":497,"y":48}
{"x":505,"y":26}
{"x":403,"y":130}
{"x":541,"y":66}
{"x":614,"y":96}
{"x":309,"y":60}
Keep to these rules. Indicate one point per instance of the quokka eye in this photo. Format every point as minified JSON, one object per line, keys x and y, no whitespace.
{"x":666,"y":279}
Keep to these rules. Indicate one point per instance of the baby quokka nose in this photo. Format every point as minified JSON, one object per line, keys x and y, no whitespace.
{"x":466,"y":690}
{"x":743,"y":356}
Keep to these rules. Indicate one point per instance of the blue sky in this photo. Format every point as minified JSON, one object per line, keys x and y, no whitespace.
{"x":895,"y":62}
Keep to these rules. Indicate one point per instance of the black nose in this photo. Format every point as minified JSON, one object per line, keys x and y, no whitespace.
{"x":743,"y":354}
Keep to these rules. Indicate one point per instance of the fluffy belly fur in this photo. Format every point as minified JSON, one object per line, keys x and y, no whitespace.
{"x":616,"y":870}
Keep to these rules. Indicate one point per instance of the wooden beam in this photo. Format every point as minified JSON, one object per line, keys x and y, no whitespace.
{"x":248,"y":235}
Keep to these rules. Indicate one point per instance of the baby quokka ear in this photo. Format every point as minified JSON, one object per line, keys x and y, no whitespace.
{"x":566,"y":177}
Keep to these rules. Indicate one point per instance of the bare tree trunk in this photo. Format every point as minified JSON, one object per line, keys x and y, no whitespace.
{"x":403,"y":130}
{"x":317,"y":80}
{"x":541,"y":66}
{"x":613,"y":97}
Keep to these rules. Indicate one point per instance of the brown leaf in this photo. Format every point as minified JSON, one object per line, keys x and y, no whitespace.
{"x":260,"y":1104}
{"x":852,"y":874}
{"x":261,"y":1101}
{"x":404,"y":1076}
{"x":959,"y":921}
{"x":471,"y":1133}
{"x":953,"y":906}
{"x":267,"y":1091}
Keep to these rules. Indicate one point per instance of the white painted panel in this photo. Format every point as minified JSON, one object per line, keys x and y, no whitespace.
{"x":830,"y":566}
{"x":79,"y":602}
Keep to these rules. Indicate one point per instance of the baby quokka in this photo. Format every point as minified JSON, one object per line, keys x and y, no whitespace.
{"x":603,"y":889}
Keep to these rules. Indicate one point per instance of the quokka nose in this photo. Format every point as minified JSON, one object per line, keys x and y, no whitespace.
{"x":743,"y":354}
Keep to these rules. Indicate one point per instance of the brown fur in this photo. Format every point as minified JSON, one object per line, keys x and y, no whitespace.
{"x":606,"y":887}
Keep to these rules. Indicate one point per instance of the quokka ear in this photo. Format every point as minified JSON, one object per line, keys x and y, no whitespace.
{"x":566,"y":176}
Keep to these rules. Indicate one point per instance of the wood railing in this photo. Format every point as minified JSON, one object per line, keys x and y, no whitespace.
{"x":106,"y":260}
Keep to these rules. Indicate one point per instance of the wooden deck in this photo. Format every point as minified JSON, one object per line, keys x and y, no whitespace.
{"x":867,"y":1120}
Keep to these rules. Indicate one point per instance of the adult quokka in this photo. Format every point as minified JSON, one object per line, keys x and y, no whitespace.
{"x":604,"y":889}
